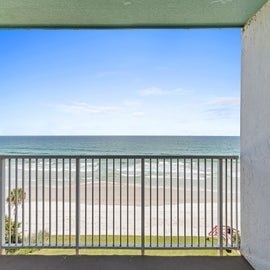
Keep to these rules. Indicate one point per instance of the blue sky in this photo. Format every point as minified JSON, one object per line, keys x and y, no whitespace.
{"x":120,"y":82}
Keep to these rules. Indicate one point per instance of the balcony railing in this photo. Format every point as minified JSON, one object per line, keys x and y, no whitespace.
{"x":132,"y":202}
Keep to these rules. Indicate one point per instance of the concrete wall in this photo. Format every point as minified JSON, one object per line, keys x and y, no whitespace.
{"x":255,"y":140}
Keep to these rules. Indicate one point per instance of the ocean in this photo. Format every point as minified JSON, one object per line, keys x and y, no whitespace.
{"x":110,"y":189}
{"x":119,"y":145}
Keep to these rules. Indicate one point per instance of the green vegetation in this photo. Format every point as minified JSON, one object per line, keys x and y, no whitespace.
{"x":116,"y":240}
{"x":133,"y":252}
{"x":12,"y":232}
{"x":15,"y":199}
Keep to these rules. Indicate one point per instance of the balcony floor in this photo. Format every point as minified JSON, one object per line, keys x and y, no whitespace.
{"x":122,"y":262}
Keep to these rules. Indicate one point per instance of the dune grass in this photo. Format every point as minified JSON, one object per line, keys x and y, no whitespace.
{"x":126,"y":240}
{"x":133,"y":252}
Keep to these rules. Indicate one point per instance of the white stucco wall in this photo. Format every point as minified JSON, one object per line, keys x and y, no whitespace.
{"x":255,"y":141}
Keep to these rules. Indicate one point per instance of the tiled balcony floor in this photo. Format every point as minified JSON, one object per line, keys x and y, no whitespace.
{"x":122,"y":263}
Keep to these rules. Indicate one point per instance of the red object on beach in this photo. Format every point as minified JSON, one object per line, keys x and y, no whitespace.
{"x":227,"y":233}
{"x":225,"y":230}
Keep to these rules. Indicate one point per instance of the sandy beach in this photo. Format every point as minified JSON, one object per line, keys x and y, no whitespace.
{"x":121,"y":206}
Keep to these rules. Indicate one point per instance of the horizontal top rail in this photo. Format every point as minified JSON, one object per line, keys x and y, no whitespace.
{"x":126,"y":156}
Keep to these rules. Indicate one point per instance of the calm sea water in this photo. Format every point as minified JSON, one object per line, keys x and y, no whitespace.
{"x":116,"y":145}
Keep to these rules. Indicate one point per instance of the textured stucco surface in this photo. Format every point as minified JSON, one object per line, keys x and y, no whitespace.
{"x":255,"y":141}
{"x":126,"y":13}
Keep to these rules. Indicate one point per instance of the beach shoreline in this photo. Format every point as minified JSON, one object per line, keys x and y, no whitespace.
{"x":169,"y":214}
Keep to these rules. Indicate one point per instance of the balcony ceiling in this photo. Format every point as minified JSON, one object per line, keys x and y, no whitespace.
{"x":126,"y":13}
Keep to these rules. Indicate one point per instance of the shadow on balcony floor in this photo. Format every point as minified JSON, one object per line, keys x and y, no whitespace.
{"x":122,"y":262}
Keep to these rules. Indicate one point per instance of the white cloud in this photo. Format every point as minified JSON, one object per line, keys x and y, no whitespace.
{"x":225,"y":101}
{"x":138,"y":113}
{"x":132,"y":103}
{"x":222,"y":113}
{"x":80,"y":107}
{"x":223,"y":108}
{"x":180,"y":91}
{"x":155,"y":91}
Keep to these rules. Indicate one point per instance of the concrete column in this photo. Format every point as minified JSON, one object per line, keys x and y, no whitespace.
{"x":255,"y":140}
